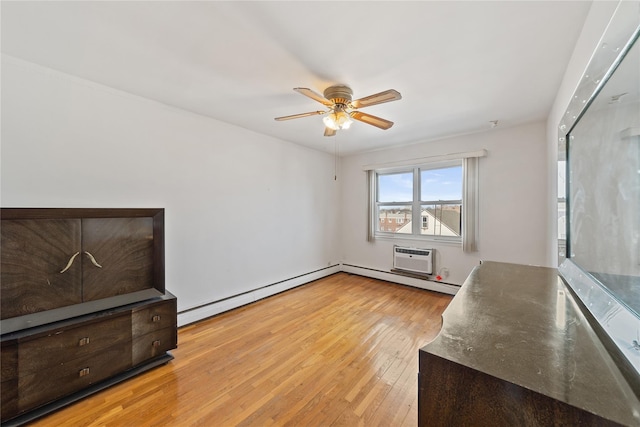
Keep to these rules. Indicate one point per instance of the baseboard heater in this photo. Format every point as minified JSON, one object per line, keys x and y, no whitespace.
{"x":415,"y":260}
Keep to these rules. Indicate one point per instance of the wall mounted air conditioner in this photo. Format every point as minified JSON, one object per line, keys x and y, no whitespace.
{"x":413,"y":259}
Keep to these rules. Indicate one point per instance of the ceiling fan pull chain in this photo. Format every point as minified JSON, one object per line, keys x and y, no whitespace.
{"x":335,"y":158}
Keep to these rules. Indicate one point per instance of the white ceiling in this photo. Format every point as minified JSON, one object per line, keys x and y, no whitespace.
{"x":458,"y":65}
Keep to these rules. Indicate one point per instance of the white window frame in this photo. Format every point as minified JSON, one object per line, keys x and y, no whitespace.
{"x":470,"y":174}
{"x":416,"y":204}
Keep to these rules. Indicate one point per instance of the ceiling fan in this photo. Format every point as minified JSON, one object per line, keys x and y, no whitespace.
{"x":342,"y":109}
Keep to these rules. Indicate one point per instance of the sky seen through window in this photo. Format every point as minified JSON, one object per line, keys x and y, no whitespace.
{"x":435,"y":184}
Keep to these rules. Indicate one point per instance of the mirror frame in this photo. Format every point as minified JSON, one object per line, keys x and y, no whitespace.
{"x":598,"y":304}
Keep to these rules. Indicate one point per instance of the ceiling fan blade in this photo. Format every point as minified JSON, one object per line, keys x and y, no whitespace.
{"x":329,"y":132}
{"x":378,"y":98}
{"x":297,"y":116}
{"x":371,"y":120}
{"x":313,"y":95}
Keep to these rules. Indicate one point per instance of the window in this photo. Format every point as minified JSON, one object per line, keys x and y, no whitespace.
{"x":562,"y":209}
{"x":433,"y":200}
{"x":420,"y":195}
{"x":441,"y":200}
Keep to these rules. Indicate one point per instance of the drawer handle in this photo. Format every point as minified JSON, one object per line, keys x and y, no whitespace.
{"x":68,"y":266}
{"x":83,"y":372}
{"x":155,"y":318}
{"x":155,"y":344}
{"x":83,"y":341}
{"x":92,"y":259}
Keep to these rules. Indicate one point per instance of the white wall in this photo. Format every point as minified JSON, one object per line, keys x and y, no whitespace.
{"x":242,"y":210}
{"x":67,"y":142}
{"x":513,"y":201}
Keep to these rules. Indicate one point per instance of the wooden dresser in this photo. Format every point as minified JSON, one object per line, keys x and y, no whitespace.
{"x":516,"y":350}
{"x":83,"y":304}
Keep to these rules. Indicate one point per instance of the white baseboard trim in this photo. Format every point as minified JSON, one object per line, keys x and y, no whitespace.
{"x":429,"y":285}
{"x":216,"y":307}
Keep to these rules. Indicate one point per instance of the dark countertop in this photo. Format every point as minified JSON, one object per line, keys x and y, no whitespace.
{"x":520,"y":324}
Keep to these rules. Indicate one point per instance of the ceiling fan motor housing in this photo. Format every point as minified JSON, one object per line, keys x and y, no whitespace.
{"x":339,"y":94}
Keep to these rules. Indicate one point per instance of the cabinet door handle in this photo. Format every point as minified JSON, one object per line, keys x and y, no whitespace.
{"x":92,"y":259}
{"x":155,"y":344}
{"x":83,"y":372}
{"x":83,"y":341}
{"x":68,"y":266}
{"x":155,"y":318}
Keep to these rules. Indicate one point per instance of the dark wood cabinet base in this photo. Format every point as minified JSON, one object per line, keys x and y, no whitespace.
{"x":50,"y":366}
{"x":455,"y":395}
{"x":61,"y":403}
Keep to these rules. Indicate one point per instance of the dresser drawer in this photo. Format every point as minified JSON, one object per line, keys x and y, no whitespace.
{"x":44,"y":386}
{"x":9,"y":394}
{"x":153,"y":344}
{"x":9,"y":361}
{"x":62,"y":345}
{"x":161,"y":315}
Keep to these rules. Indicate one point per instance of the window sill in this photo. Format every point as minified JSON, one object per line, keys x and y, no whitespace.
{"x":411,"y":238}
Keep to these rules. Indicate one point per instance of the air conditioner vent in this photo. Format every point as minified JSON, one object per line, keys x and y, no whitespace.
{"x":413,"y":259}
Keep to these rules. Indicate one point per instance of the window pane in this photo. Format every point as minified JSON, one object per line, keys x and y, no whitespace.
{"x":396,"y":187}
{"x":441,"y":184}
{"x":394,"y":219}
{"x":562,"y":219}
{"x":441,"y":219}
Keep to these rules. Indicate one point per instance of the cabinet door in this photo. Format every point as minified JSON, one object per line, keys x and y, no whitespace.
{"x":117,"y":256}
{"x":39,"y":268}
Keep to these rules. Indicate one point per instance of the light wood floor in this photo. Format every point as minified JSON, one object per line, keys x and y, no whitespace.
{"x":340,"y":351}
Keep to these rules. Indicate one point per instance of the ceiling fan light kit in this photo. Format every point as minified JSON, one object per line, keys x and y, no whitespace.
{"x":342,"y":109}
{"x":337,"y":119}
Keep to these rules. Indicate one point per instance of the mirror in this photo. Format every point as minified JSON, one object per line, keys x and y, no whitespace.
{"x":599,"y":200}
{"x":604,"y":195}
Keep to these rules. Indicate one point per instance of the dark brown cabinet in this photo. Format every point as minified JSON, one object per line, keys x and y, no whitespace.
{"x":83,"y":304}
{"x":33,"y":268}
{"x":57,"y":263}
{"x":49,"y":263}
